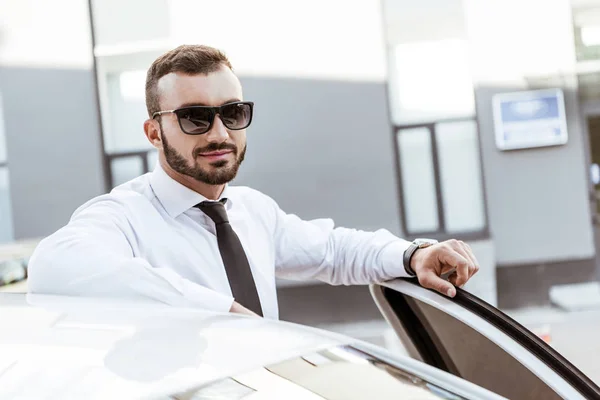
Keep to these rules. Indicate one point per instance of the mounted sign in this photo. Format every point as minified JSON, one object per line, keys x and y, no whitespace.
{"x":530,"y":119}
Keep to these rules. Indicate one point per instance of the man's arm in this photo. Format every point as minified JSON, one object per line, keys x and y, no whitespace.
{"x":92,"y":256}
{"x":339,"y":256}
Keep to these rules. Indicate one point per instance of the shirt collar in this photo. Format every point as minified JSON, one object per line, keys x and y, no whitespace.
{"x":176,"y":198}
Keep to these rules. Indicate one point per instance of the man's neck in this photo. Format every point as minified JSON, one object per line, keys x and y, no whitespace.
{"x":211,"y":192}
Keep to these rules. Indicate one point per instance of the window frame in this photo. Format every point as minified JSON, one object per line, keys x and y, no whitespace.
{"x":141,"y":154}
{"x":441,"y":233}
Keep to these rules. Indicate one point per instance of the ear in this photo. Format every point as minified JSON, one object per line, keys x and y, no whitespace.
{"x":153,"y":134}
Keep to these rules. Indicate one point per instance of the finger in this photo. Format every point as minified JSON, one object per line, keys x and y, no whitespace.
{"x":474,"y":261}
{"x":453,"y":258}
{"x":463,"y":251}
{"x":430,"y":280}
{"x":452,"y":278}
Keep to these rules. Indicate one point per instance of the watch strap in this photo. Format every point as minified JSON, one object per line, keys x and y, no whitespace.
{"x":408,"y":253}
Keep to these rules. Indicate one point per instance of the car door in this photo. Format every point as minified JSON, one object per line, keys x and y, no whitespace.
{"x":477,"y":342}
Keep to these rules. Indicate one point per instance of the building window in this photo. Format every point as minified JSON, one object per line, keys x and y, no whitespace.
{"x":440,"y":180}
{"x":416,"y":163}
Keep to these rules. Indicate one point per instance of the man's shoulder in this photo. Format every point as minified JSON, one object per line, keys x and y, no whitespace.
{"x":137,"y":186}
{"x":130,"y":194}
{"x":254,"y":200}
{"x":261,"y":207}
{"x":248,"y":195}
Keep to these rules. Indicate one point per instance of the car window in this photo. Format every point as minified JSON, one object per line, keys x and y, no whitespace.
{"x":342,"y":372}
{"x":445,"y":342}
{"x":471,"y":356}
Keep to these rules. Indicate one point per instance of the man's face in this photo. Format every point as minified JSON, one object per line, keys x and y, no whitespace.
{"x":213,"y":157}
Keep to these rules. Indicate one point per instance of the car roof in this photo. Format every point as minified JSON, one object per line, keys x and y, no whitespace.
{"x":135,"y":347}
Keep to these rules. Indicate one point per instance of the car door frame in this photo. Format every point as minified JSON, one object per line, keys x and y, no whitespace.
{"x":531,"y":351}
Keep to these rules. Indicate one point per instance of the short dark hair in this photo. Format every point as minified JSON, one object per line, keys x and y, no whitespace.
{"x":188,"y":59}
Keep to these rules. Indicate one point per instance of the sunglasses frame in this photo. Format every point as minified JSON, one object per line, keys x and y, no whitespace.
{"x":214,"y":112}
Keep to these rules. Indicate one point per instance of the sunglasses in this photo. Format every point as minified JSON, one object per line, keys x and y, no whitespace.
{"x":196,"y":120}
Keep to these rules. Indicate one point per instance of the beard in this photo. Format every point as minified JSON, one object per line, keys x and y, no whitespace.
{"x":222,"y":171}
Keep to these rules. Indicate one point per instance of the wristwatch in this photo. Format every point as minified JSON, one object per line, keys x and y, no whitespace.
{"x":414,"y":246}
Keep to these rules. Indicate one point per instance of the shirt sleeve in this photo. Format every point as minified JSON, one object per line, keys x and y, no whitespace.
{"x":339,"y":256}
{"x":92,"y":256}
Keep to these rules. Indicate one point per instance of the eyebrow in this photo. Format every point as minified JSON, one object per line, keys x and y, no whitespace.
{"x":233,"y":100}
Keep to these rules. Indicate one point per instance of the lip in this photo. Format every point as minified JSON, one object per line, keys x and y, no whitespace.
{"x":216,"y":155}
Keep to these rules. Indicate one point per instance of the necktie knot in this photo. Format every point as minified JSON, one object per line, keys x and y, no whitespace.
{"x":215,"y":210}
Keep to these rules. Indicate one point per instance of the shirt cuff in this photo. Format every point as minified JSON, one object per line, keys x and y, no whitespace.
{"x":392,"y":259}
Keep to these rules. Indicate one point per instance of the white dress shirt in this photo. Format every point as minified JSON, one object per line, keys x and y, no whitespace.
{"x":145,"y":238}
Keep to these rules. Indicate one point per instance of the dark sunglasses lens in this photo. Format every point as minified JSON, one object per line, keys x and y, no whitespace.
{"x":236,"y":116}
{"x":195,"y":121}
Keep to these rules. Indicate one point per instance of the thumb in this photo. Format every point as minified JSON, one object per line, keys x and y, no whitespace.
{"x":430,"y":280}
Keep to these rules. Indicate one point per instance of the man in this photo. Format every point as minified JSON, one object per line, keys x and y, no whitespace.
{"x":181,"y":235}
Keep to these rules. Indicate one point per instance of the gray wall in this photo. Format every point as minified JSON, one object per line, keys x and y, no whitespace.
{"x":323,"y":149}
{"x":537,"y":198}
{"x":53,"y":143}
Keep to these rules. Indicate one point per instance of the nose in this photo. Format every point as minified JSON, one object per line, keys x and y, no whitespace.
{"x":218,"y":133}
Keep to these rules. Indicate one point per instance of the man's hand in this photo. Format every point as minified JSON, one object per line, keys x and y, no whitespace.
{"x":239,"y":309}
{"x":432,"y":262}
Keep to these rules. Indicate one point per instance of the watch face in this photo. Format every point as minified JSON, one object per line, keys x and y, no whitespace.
{"x":425,"y":242}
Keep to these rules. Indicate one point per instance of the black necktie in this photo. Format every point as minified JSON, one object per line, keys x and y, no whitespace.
{"x":234,"y":258}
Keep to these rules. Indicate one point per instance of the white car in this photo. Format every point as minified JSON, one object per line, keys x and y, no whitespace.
{"x":54,"y":347}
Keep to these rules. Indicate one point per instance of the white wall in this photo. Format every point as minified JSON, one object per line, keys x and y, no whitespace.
{"x":331,"y":39}
{"x":430,"y":76}
{"x":514,"y":39}
{"x":117,"y":22}
{"x":425,"y":20}
{"x":40,"y":34}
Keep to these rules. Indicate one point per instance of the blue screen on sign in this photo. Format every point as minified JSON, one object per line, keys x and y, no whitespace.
{"x":530,"y":109}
